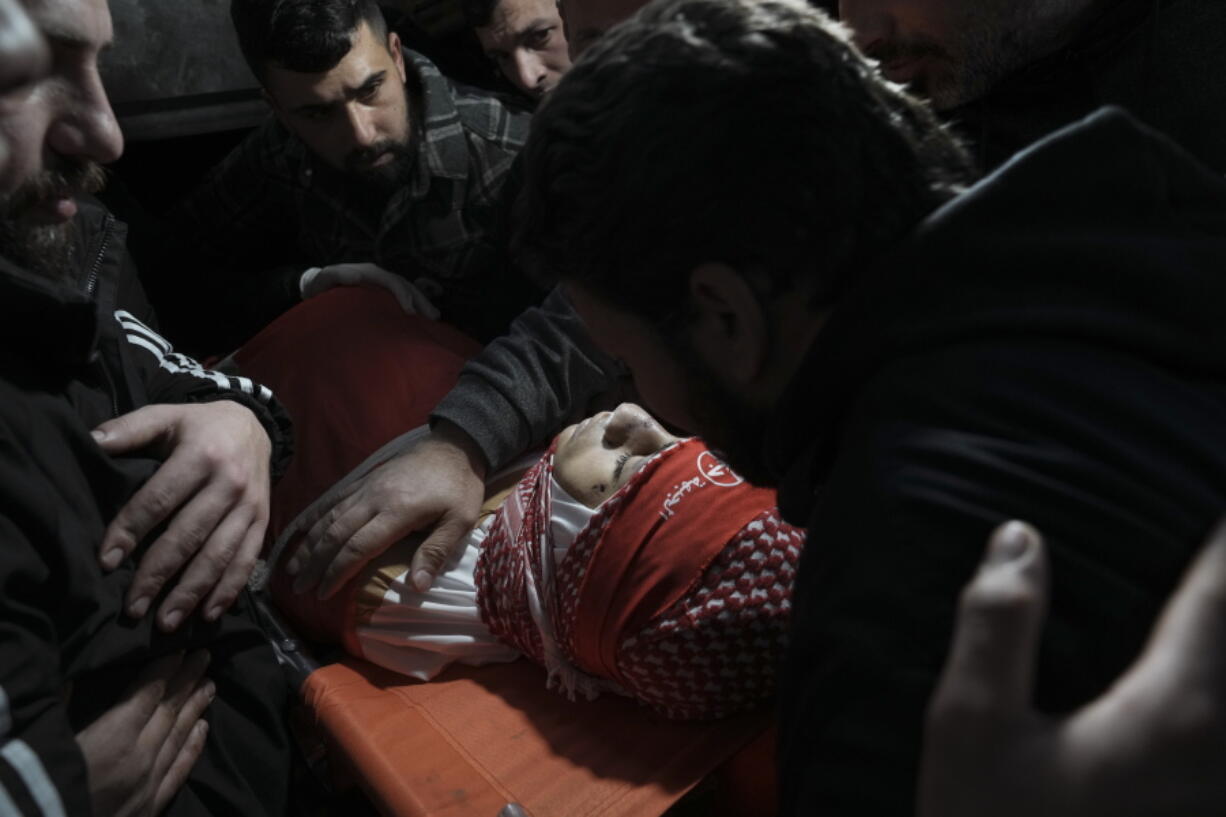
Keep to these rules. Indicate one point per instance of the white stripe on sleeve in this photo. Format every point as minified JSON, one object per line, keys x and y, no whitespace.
{"x":27,"y":764}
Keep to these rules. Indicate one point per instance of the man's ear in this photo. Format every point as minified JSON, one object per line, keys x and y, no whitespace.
{"x":393,"y":48}
{"x":728,"y":326}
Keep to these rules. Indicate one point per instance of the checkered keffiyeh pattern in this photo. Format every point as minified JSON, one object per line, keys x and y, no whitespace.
{"x":710,"y":653}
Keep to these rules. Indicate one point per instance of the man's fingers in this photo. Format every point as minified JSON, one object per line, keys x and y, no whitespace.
{"x":191,"y":526}
{"x":175,"y":693}
{"x":1189,"y":636}
{"x":150,"y":506}
{"x":181,"y":767}
{"x":135,"y":430}
{"x":150,"y":685}
{"x":376,"y":536}
{"x":208,"y":564}
{"x":316,"y":554}
{"x":183,"y":742}
{"x":990,"y":669}
{"x":239,"y":571}
{"x":437,"y":549}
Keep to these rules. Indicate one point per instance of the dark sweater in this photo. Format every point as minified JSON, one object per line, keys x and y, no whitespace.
{"x":1049,"y":347}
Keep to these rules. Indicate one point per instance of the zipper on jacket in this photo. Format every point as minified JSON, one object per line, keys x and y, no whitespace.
{"x":91,"y":286}
{"x":91,"y":282}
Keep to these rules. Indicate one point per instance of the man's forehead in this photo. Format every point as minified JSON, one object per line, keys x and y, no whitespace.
{"x":366,"y":58}
{"x":512,"y":16}
{"x":597,"y":15}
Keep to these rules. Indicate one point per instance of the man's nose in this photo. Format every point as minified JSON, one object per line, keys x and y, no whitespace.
{"x":362,"y":126}
{"x":633,"y":428}
{"x":530,"y":73}
{"x":86,"y":127}
{"x":871,"y":21}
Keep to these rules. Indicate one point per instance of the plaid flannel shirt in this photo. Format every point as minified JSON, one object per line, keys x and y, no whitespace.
{"x":272,"y":209}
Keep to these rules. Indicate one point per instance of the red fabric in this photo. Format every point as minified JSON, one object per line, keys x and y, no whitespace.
{"x":656,"y":540}
{"x":678,"y":589}
{"x":354,"y":371}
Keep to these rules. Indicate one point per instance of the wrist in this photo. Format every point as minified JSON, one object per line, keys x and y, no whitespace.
{"x":448,"y":433}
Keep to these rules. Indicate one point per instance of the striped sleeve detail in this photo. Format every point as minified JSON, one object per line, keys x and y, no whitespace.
{"x":32,"y":772}
{"x":140,"y":335}
{"x":27,"y":766}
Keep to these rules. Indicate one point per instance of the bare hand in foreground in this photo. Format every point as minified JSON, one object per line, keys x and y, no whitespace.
{"x":212,"y":488}
{"x":435,"y":486}
{"x":1153,"y":744}
{"x":140,"y":752}
{"x":411,"y":299}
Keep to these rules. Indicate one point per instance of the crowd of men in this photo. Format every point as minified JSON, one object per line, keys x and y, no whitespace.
{"x":905,"y":269}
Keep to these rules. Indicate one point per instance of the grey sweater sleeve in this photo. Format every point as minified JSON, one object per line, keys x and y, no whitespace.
{"x":525,"y":386}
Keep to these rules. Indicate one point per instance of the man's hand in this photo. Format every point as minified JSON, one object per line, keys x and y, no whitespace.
{"x":140,"y":752}
{"x":1154,"y":744}
{"x":410,"y":298}
{"x":437,"y":485}
{"x":212,"y":490}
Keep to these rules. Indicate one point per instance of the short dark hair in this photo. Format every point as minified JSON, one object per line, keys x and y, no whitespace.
{"x":745,"y":132}
{"x":309,"y":36}
{"x":478,"y":13}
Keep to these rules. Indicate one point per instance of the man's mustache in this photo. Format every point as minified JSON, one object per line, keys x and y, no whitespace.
{"x":362,"y":158}
{"x":66,"y":180}
{"x":886,"y":52}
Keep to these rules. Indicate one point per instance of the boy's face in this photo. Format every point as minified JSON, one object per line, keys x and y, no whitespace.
{"x":599,"y":455}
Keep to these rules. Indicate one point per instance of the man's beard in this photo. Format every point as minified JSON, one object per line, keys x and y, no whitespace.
{"x":730,"y":425}
{"x":45,"y":249}
{"x":994,"y":39}
{"x":385,"y":178}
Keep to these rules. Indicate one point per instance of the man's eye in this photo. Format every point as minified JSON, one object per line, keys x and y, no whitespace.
{"x":539,"y":38}
{"x":368,"y":93}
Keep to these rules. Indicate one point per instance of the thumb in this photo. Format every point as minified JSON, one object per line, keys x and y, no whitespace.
{"x":136,"y":429}
{"x":436,"y":549}
{"x":992,"y":658}
{"x":1188,"y":638}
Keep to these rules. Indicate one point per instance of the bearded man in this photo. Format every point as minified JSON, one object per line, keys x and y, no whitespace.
{"x":134,"y":491}
{"x":1010,"y":71}
{"x":814,"y":286}
{"x":373,"y":168}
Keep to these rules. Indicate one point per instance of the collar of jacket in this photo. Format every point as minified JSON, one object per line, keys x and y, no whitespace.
{"x":56,"y":324}
{"x":46,"y":324}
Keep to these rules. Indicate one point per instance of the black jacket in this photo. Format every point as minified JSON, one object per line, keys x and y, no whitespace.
{"x":1050,"y":347}
{"x":1162,"y":60}
{"x":74,"y":353}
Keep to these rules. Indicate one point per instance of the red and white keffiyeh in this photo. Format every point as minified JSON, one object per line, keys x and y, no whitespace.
{"x":677,"y":591}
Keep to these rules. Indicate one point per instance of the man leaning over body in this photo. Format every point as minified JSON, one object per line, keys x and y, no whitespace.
{"x":546,"y":373}
{"x":133,"y":494}
{"x":909,"y":360}
{"x":373,"y":168}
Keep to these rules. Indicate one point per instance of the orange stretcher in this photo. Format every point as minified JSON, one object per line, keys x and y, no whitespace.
{"x":355,"y":372}
{"x":477,"y":738}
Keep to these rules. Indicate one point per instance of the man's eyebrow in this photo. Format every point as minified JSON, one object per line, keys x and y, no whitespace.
{"x":374,"y":79}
